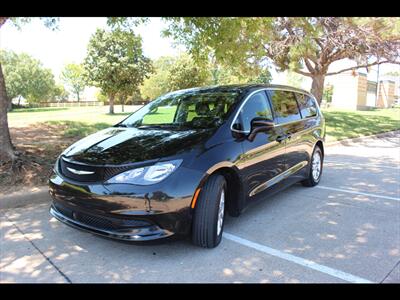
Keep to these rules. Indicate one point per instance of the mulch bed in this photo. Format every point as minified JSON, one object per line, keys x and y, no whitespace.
{"x":38,"y":147}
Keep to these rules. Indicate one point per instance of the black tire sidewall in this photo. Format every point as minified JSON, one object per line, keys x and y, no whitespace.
{"x":204,"y":228}
{"x":317,"y":149}
{"x":219,"y":237}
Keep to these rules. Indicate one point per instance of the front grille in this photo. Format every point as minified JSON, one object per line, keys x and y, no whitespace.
{"x":100,"y":173}
{"x":65,"y":211}
{"x":102,"y":223}
{"x":94,"y":221}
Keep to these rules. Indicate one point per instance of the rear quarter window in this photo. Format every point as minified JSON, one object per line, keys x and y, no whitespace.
{"x":307,"y":105}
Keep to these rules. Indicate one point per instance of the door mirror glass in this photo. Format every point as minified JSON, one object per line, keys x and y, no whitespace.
{"x":259,"y":124}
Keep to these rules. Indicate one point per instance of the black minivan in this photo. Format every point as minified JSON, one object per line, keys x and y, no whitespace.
{"x":176,"y":166}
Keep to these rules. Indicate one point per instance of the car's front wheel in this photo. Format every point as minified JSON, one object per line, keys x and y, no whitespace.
{"x":209,"y":214}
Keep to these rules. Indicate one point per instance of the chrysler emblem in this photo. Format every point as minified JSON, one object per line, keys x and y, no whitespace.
{"x":79,"y":172}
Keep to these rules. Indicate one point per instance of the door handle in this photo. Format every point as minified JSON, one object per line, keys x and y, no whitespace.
{"x":281,"y":138}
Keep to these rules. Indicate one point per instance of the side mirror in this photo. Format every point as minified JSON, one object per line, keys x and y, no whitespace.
{"x":259,"y":125}
{"x":261,"y":122}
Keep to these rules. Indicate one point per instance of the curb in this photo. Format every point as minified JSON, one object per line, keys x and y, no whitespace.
{"x":24,"y":198}
{"x":361,"y":138}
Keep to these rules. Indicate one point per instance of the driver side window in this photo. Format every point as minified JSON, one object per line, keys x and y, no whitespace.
{"x":256,"y":106}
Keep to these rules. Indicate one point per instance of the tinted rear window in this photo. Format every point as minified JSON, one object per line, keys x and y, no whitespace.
{"x":307,"y":105}
{"x":285,"y":106}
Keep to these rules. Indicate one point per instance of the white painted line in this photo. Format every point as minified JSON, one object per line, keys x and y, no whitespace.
{"x":297,"y":260}
{"x":357,"y":193}
{"x":359,"y":164}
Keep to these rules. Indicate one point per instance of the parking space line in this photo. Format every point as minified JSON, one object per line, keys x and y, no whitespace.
{"x":357,"y":193}
{"x":297,"y":260}
{"x":359,"y":164}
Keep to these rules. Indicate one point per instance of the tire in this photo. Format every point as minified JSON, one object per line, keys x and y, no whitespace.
{"x":205,"y":232}
{"x":311,"y":180}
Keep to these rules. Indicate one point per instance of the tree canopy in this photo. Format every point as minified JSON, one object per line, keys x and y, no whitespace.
{"x":25,"y":76}
{"x":115,"y":62}
{"x":158,"y":82}
{"x":182,"y":72}
{"x":306,"y":45}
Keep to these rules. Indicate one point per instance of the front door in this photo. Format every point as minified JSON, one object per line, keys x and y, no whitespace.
{"x":263,"y":157}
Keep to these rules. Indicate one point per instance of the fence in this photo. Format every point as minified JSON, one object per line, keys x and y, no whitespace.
{"x":66,"y":104}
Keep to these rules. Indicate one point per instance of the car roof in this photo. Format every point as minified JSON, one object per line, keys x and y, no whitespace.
{"x":241,"y":88}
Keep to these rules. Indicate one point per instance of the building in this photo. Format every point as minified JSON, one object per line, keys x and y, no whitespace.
{"x":358,"y":91}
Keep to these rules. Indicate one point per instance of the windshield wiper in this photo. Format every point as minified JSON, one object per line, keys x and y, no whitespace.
{"x":162,"y":126}
{"x":121,"y":125}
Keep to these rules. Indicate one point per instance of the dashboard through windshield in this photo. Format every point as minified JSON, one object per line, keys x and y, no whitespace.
{"x":184,"y":110}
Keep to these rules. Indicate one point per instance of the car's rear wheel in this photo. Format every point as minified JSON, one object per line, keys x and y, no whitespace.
{"x":315,"y":170}
{"x":209,"y":214}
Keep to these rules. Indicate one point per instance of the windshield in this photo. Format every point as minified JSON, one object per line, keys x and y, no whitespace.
{"x":184,"y":110}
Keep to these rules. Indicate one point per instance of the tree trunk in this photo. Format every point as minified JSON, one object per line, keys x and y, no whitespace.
{"x":9,"y":105}
{"x":317,"y":87}
{"x":77,"y":94}
{"x":111,"y":103}
{"x":122,"y":100}
{"x":6,"y":147}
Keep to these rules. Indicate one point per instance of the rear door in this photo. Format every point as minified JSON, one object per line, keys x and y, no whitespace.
{"x":288,"y":118}
{"x":263,"y":157}
{"x":311,"y":129}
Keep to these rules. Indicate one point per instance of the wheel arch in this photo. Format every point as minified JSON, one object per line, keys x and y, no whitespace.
{"x":235,"y":200}
{"x":320,"y":144}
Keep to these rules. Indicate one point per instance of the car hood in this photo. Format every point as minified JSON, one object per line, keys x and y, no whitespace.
{"x":117,"y":146}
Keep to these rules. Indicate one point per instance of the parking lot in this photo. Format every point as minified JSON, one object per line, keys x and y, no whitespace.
{"x":347,"y":229}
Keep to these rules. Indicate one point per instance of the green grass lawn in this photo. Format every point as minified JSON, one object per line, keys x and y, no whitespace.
{"x":343,"y":124}
{"x":89,"y":115}
{"x":80,"y":121}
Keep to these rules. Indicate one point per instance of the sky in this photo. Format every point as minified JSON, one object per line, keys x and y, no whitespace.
{"x":68,"y":44}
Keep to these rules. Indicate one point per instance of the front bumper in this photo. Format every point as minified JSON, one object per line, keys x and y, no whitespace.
{"x":143,"y":233}
{"x":127,"y":212}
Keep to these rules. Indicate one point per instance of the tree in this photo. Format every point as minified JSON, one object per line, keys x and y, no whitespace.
{"x":7,"y":151}
{"x":393,"y":73}
{"x":59,"y":93}
{"x":174,"y":73}
{"x":115,"y":62}
{"x":26,"y":77}
{"x":184,"y":74}
{"x":157,"y":83}
{"x":73,"y":77}
{"x":306,"y":45}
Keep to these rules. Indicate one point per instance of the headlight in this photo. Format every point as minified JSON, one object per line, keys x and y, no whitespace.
{"x":147,"y":175}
